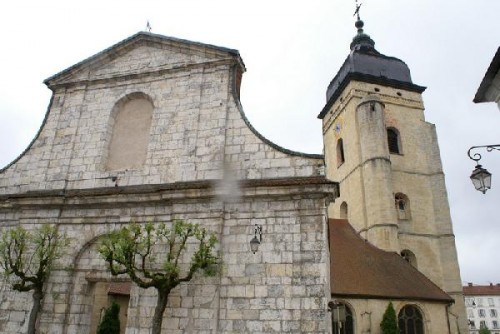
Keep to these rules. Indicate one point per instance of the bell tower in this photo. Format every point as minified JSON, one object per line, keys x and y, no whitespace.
{"x":386,"y":159}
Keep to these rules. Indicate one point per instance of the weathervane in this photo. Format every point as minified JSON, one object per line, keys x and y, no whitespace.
{"x":356,"y":12}
{"x":148,"y":26}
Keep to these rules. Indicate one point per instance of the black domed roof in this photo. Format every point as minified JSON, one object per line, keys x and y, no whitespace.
{"x":364,"y":63}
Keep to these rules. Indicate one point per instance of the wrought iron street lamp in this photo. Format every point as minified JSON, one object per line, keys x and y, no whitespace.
{"x":480,"y":177}
{"x":255,"y":242}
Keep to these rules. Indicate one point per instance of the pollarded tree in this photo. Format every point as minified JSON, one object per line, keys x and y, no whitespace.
{"x":151,"y":255}
{"x":27,"y":259}
{"x":389,"y":324}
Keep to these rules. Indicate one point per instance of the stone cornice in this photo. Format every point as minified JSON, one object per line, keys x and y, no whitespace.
{"x":354,"y":92}
{"x":173,"y":193}
{"x":138,"y":75}
{"x":359,"y":93}
{"x":370,"y":79}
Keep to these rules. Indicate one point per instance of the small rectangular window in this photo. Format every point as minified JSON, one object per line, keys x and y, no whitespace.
{"x":491,"y":302}
{"x":393,"y":141}
{"x":493,"y":313}
{"x":482,"y":313}
{"x":340,"y":152}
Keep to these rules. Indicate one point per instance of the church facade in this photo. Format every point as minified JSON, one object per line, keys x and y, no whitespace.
{"x":152,"y":130}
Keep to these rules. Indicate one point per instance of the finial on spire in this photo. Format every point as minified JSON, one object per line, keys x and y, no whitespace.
{"x":361,"y":39}
{"x":356,"y":12}
{"x":148,"y":26}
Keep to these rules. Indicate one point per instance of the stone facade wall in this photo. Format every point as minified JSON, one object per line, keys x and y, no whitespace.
{"x":281,"y":288}
{"x":198,"y":130}
{"x":200,"y":149}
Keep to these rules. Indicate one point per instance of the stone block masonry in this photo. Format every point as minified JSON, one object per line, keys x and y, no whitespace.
{"x":196,"y":158}
{"x":280,"y":288}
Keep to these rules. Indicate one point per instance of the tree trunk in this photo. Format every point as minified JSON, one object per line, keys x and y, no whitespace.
{"x":35,"y":309}
{"x":161,"y":304}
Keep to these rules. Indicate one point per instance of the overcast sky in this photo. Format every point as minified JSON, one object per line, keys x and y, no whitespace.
{"x":292,"y":49}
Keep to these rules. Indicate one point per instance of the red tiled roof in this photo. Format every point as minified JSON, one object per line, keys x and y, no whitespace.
{"x":361,"y":270}
{"x":482,"y":290}
{"x":119,"y":288}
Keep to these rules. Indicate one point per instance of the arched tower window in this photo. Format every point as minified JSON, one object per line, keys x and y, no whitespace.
{"x":402,"y":205}
{"x":409,"y":256}
{"x":344,"y":210}
{"x":410,"y":320}
{"x":130,"y":122}
{"x":393,"y":141}
{"x":343,"y":322}
{"x":340,"y":152}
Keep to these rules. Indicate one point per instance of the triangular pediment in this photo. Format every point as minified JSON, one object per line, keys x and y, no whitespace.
{"x":139,"y":54}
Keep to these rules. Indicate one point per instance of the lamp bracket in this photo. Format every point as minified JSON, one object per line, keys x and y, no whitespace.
{"x":476,"y":156}
{"x":258,"y":232}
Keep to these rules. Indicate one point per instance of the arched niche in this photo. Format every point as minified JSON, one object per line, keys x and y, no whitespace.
{"x":131,"y":123}
{"x":344,"y":211}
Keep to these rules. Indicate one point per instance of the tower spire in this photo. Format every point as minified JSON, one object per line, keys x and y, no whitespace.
{"x":361,"y":40}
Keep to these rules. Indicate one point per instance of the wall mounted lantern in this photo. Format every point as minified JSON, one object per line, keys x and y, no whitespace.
{"x":255,"y":242}
{"x":480,"y":177}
